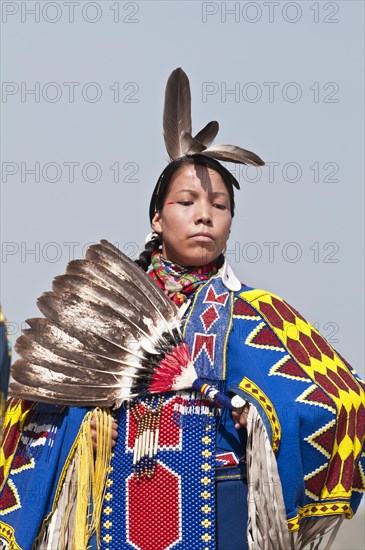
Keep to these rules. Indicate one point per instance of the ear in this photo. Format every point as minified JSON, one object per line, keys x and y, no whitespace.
{"x":156,"y":223}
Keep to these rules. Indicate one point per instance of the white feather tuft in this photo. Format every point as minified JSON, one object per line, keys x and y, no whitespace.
{"x":186,"y":378}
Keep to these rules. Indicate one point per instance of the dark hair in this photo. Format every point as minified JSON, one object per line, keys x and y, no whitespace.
{"x":161,"y":189}
{"x":144,"y":259}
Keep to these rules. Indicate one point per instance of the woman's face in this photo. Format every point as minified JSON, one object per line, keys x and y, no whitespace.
{"x":195,"y":219}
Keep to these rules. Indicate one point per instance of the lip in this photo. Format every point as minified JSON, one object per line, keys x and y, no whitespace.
{"x":202,"y":236}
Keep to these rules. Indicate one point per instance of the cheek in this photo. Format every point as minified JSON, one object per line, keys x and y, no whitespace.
{"x":226,"y":226}
{"x":174,"y":223}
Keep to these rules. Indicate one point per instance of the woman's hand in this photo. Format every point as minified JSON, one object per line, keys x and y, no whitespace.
{"x":114,"y":433}
{"x":239,"y":416}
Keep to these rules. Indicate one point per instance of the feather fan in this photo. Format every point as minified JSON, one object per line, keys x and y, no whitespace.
{"x":108,"y":334}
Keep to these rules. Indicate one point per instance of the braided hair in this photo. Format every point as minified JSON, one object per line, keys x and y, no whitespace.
{"x":144,"y":259}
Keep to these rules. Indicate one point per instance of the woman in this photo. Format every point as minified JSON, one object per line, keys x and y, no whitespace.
{"x":191,"y":216}
{"x":192,"y":222}
{"x":306,"y":405}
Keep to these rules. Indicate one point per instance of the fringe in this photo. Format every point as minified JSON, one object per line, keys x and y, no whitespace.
{"x":267,"y":523}
{"x":92,"y":475}
{"x":312,"y":532}
{"x":57,"y":532}
{"x":78,"y":512}
{"x":196,"y":412}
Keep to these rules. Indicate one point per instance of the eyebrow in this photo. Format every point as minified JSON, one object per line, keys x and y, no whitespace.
{"x":193,"y":192}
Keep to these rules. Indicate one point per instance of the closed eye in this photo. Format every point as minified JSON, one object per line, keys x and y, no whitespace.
{"x":220,"y":206}
{"x":185,"y":203}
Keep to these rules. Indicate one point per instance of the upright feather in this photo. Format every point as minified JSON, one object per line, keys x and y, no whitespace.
{"x":207,"y":135}
{"x":177,"y":114}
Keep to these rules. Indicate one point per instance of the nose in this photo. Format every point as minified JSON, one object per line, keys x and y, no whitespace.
{"x":203,"y":213}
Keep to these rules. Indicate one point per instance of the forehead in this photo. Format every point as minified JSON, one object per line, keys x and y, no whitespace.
{"x":197,"y":178}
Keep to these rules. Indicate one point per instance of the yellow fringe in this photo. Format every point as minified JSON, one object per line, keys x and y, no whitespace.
{"x":92,"y":471}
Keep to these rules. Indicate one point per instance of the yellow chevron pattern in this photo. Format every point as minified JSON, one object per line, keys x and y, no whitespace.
{"x":322,"y":365}
{"x":15,"y":417}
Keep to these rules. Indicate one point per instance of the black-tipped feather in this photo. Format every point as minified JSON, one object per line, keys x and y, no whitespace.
{"x":50,"y":336}
{"x":91,"y":322}
{"x":125,"y":269}
{"x":48,"y":396}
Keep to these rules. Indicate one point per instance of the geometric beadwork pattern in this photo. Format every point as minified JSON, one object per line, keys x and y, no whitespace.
{"x":209,"y":316}
{"x":358,"y":482}
{"x":214,"y":297}
{"x":39,"y":443}
{"x":326,"y":369}
{"x":8,"y":533}
{"x":142,"y":496}
{"x":10,"y":500}
{"x":158,"y":513}
{"x":288,"y":368}
{"x":252,"y":389}
{"x":243,"y":310}
{"x":322,"y":439}
{"x":203,"y":343}
{"x":319,"y":510}
{"x":315,"y":481}
{"x":263,"y":337}
{"x":17,"y":411}
{"x":167,"y":439}
{"x":313,"y":395}
{"x":21,"y":445}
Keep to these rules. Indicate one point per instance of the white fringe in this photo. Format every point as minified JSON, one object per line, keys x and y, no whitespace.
{"x":57,"y":533}
{"x":267,"y":523}
{"x":267,"y":526}
{"x":312,"y":532}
